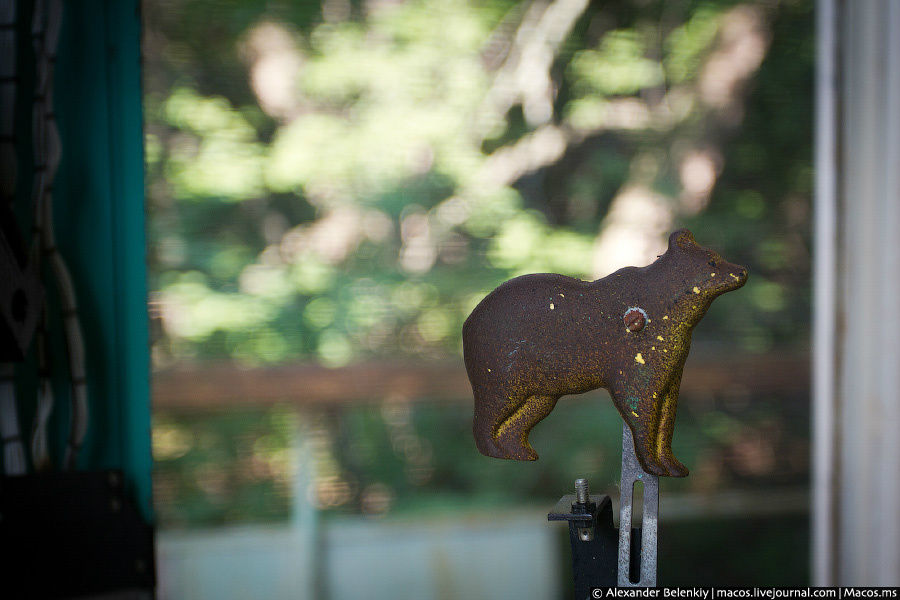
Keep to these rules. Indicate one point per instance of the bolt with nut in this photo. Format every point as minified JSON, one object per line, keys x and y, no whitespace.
{"x":635,"y":318}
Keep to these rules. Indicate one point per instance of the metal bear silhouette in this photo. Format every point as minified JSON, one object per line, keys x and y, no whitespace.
{"x":539,"y":337}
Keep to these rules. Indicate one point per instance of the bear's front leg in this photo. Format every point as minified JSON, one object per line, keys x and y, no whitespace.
{"x":641,"y":414}
{"x":667,"y":411}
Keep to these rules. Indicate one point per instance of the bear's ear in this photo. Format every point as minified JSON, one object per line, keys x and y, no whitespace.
{"x":681,"y":238}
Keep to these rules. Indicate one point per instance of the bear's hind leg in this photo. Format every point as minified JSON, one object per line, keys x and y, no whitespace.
{"x":667,"y":412}
{"x":512,"y":433}
{"x":491,"y":411}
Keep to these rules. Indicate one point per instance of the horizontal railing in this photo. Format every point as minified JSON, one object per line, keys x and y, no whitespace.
{"x":205,"y":386}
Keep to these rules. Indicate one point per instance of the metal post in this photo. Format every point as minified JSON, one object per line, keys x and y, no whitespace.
{"x":631,"y":473}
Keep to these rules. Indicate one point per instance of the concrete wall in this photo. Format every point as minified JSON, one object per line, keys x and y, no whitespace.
{"x":513,"y":556}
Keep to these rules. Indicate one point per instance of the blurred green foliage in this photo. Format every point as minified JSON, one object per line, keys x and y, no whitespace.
{"x":346,"y":180}
{"x":224,"y":468}
{"x":245,"y":465}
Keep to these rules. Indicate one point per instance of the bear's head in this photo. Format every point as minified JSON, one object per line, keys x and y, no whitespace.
{"x":710,"y":274}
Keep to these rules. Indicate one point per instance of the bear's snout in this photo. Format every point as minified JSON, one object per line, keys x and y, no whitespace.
{"x":734,"y":276}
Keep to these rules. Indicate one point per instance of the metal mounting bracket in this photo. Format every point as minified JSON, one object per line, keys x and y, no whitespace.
{"x":603,"y":556}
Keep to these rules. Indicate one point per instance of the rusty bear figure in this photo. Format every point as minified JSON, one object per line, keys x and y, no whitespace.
{"x":539,"y":337}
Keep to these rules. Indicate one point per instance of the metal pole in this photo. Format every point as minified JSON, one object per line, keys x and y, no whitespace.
{"x":825,"y":300}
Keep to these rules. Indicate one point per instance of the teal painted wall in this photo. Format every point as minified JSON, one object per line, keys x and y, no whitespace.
{"x":99,"y":218}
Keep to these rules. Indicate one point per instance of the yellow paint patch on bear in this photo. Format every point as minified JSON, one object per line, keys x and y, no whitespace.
{"x":551,"y":306}
{"x":665,"y":317}
{"x":696,"y":290}
{"x":634,"y":413}
{"x":660,"y":338}
{"x":734,"y":276}
{"x":639,"y":358}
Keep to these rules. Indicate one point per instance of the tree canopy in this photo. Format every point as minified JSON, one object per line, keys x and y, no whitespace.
{"x":346,"y":180}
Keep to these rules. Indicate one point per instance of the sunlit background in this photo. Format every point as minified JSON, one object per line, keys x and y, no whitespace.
{"x":333,"y":186}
